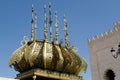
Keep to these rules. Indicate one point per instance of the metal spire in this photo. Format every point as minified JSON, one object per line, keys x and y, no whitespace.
{"x":65,"y":32}
{"x":50,"y":22}
{"x":34,"y":26}
{"x":56,"y":25}
{"x":45,"y":23}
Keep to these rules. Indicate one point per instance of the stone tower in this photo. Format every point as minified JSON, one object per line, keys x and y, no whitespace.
{"x":48,"y":58}
{"x":104,"y":65}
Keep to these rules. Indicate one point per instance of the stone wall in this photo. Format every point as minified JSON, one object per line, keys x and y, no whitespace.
{"x":100,"y":56}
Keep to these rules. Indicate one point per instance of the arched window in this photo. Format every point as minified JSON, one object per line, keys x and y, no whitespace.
{"x":109,"y":75}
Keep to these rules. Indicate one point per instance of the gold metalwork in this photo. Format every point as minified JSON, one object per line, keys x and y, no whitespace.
{"x":56,"y":25}
{"x":24,"y":41}
{"x":48,"y":75}
{"x":45,"y":24}
{"x":34,"y":25}
{"x":65,"y":32}
{"x":34,"y":77}
{"x":49,"y":57}
{"x":42,"y":54}
{"x":50,"y":22}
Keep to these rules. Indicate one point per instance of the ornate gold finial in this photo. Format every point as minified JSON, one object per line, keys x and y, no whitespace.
{"x":34,"y":25}
{"x":45,"y":23}
{"x":50,"y":22}
{"x":25,"y":40}
{"x":56,"y":25}
{"x":65,"y":31}
{"x":34,"y":77}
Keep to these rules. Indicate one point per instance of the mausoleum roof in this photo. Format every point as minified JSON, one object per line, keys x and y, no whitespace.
{"x":47,"y":54}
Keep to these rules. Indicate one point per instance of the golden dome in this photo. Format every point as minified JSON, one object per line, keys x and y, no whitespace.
{"x":47,"y":55}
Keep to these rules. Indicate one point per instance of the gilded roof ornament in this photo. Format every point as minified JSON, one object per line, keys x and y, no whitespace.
{"x":65,"y":32}
{"x":57,"y":27}
{"x":45,"y":55}
{"x":34,"y":25}
{"x":45,"y":24}
{"x":25,"y":40}
{"x":50,"y":22}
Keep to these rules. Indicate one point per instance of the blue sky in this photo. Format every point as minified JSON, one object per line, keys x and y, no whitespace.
{"x":86,"y":18}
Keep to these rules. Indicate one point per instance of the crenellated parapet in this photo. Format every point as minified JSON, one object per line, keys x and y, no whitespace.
{"x":101,"y":56}
{"x":105,"y":35}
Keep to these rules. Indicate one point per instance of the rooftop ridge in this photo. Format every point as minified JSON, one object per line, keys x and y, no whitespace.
{"x":106,"y":34}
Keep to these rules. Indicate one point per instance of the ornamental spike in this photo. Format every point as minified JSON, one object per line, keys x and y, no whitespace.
{"x":50,"y":22}
{"x":57,"y":26}
{"x":45,"y":24}
{"x":34,"y":25}
{"x":65,"y":31}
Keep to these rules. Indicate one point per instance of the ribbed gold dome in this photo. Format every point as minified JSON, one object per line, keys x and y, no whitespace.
{"x":48,"y":56}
